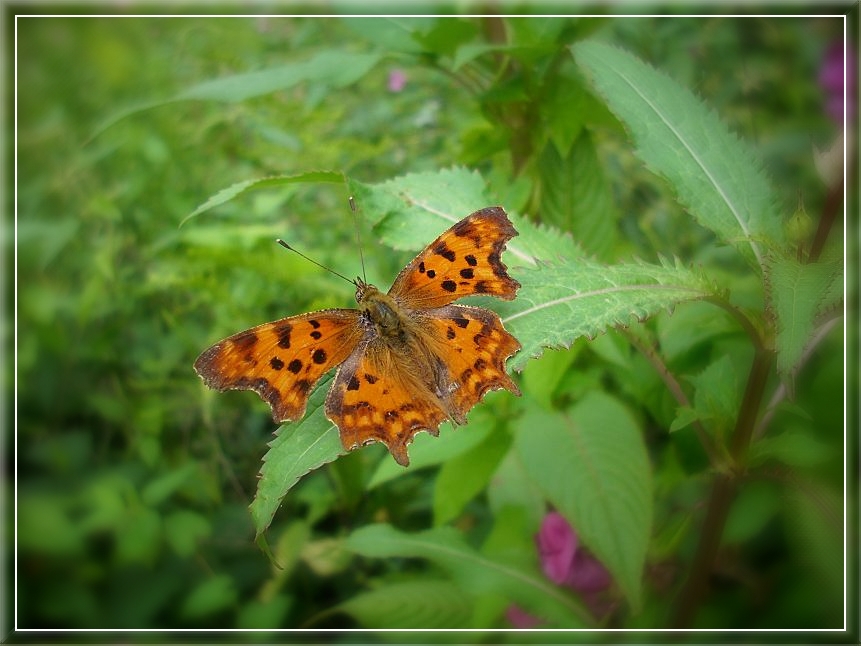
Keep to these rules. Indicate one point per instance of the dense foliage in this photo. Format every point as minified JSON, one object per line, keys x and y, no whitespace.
{"x":677,"y":457}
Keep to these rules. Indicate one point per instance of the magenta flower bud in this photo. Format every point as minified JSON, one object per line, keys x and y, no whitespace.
{"x":397,"y":80}
{"x":557,"y":544}
{"x":519,"y":618}
{"x":564,"y":562}
{"x":831,"y":79}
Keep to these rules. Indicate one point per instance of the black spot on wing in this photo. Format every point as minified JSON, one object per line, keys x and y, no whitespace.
{"x":283,"y":333}
{"x":303,"y":386}
{"x":467,"y":228}
{"x":441,"y":249}
{"x":245,"y":342}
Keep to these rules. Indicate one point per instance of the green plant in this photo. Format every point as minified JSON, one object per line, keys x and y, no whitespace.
{"x":590,"y":462}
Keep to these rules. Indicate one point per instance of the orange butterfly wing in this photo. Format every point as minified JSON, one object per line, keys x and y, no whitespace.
{"x":463,"y":261}
{"x":374,"y":398}
{"x":475,"y":347}
{"x":281,"y":361}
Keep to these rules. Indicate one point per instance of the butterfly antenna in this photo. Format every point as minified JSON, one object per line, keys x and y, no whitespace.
{"x":311,"y":260}
{"x":355,"y":211}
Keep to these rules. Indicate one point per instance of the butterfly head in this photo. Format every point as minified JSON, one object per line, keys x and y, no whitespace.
{"x":364,"y":290}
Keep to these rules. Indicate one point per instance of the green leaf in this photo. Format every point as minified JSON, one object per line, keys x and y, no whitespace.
{"x":470,"y":52}
{"x":473,"y":572}
{"x":286,"y":552}
{"x":183,"y":529}
{"x":816,"y":534}
{"x":385,"y":33}
{"x":257,"y":614}
{"x":717,"y":395}
{"x":796,"y":295}
{"x":685,"y":416}
{"x":715,"y":175}
{"x":139,"y":538}
{"x":513,"y":488}
{"x":569,"y":107}
{"x":575,"y":195}
{"x":423,"y":603}
{"x":336,"y":67}
{"x":213,"y":595}
{"x":420,"y":206}
{"x":560,"y":303}
{"x":752,"y":509}
{"x":541,"y":378}
{"x":296,"y":450}
{"x":592,"y":464}
{"x":444,"y":35}
{"x":240,"y":188}
{"x":162,"y":487}
{"x":464,"y":477}
{"x":538,"y":32}
{"x":793,"y":447}
{"x":45,"y":528}
{"x":562,"y":112}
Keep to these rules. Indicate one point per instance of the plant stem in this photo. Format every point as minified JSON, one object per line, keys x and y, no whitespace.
{"x":723,"y":491}
{"x":833,"y":200}
{"x":675,"y":389}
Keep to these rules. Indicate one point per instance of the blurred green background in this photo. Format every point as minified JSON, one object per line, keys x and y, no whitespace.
{"x":132,"y":480}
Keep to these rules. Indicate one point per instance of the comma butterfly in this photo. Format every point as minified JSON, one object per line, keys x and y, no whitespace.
{"x":408,"y":359}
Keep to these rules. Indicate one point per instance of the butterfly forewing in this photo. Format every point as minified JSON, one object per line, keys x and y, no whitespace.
{"x":282,"y":360}
{"x":463,"y":261}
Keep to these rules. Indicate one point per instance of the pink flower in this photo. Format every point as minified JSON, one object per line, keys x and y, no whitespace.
{"x":564,"y":562}
{"x":557,"y":545}
{"x":831,"y":79}
{"x":587,"y":574}
{"x":397,"y":80}
{"x":519,"y":618}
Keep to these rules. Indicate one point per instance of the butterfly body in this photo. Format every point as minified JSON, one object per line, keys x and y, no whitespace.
{"x":408,"y":359}
{"x":390,"y":322}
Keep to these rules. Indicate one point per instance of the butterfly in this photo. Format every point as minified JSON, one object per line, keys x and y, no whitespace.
{"x":407,"y":360}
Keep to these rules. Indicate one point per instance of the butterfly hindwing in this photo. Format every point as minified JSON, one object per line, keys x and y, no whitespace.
{"x":463,"y":261}
{"x":372,"y":401}
{"x":476,"y":347}
{"x":282,"y":360}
